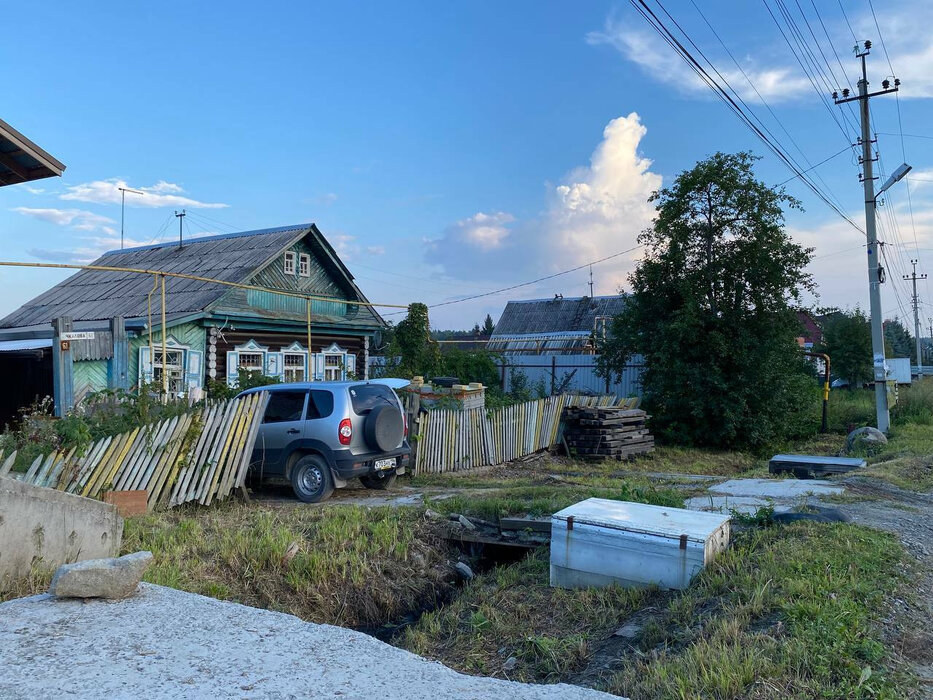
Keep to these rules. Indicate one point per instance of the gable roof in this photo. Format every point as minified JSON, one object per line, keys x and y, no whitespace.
{"x":576,"y":316}
{"x":235,"y":257}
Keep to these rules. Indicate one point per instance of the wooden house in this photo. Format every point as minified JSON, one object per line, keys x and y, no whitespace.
{"x":102,"y":329}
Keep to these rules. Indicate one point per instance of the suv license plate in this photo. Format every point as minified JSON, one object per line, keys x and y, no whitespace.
{"x":385,"y":463}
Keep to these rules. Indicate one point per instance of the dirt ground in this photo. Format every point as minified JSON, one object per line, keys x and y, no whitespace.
{"x":909,"y":515}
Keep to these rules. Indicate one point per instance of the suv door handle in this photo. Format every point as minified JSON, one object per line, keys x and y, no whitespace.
{"x":293,"y":431}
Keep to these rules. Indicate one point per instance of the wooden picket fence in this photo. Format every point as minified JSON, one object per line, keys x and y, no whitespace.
{"x":197,"y":456}
{"x":453,"y":440}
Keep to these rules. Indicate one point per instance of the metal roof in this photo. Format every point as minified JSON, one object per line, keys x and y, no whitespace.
{"x":547,"y":317}
{"x":99,"y":294}
{"x":21,"y":160}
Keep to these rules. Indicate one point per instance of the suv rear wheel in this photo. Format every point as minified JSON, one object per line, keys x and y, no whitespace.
{"x":312,"y":481}
{"x":379,"y":481}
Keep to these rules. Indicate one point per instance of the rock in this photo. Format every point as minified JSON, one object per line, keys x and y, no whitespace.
{"x":101,"y":578}
{"x":432,"y":515}
{"x":465,"y":521}
{"x":630,"y":630}
{"x":509,"y":663}
{"x":868,"y":438}
{"x":290,"y":553}
{"x":465,"y":572}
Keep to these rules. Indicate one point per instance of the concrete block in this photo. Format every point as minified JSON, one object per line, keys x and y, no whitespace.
{"x":775,"y":488}
{"x":101,"y":578}
{"x":53,"y":528}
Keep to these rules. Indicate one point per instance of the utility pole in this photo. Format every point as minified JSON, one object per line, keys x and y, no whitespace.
{"x":180,"y":217}
{"x":591,"y":281}
{"x":913,"y":278}
{"x":123,"y":191}
{"x":875,"y":271}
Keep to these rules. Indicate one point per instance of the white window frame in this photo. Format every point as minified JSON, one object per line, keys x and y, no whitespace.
{"x":260,"y":367}
{"x":289,"y":266}
{"x":176,"y":370}
{"x":300,"y":370}
{"x":339,"y":370}
{"x":304,"y":265}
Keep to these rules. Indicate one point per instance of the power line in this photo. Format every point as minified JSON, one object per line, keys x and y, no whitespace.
{"x":667,"y":35}
{"x":535,"y":281}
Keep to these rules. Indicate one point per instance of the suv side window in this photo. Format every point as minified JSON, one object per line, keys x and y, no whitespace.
{"x":285,"y":406}
{"x":320,"y":405}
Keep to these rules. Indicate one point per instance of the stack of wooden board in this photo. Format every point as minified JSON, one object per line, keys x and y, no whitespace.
{"x":602,"y":432}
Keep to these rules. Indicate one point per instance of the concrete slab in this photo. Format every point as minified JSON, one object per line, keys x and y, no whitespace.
{"x":786,"y":489}
{"x":163,"y":643}
{"x":46,"y":527}
{"x":727,"y":504}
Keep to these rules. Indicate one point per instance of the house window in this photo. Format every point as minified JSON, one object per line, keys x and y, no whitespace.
{"x":290,"y":263}
{"x":250,"y":361}
{"x":304,"y":265}
{"x":173,"y":366}
{"x":294,"y":370}
{"x":333,"y":368}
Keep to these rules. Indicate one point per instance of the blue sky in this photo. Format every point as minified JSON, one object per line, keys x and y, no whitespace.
{"x":444,"y":149}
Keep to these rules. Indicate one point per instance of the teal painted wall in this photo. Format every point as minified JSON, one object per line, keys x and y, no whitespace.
{"x":88,"y":376}
{"x":321,"y":281}
{"x":191,"y":334}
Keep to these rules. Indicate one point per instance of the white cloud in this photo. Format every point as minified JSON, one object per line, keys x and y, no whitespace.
{"x":658,"y":60}
{"x":161,"y":194}
{"x":597,"y":210}
{"x":326,"y":199}
{"x":375,"y":250}
{"x":88,"y":249}
{"x":345,"y":245}
{"x":33,"y":190}
{"x":76,"y":218}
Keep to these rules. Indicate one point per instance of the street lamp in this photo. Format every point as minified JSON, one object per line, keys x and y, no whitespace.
{"x":896,"y":176}
{"x":123,"y":191}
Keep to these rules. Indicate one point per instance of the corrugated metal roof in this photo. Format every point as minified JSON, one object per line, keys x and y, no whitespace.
{"x":98,"y":294}
{"x":543,"y":317}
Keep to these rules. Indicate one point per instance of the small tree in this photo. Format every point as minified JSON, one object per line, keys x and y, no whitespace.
{"x":847,"y":341}
{"x":897,"y":339}
{"x":712,"y":311}
{"x":417,"y":353}
{"x":488,"y":326}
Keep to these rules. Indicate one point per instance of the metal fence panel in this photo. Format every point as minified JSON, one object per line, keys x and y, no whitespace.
{"x":579,"y":371}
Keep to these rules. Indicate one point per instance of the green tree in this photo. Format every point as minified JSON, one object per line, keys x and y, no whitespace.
{"x":488,"y":326}
{"x":712,"y":311}
{"x":416,"y":352}
{"x":897,"y":339}
{"x":847,"y":341}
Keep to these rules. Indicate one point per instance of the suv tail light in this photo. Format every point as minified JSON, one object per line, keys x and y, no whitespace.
{"x":405,"y":419}
{"x":345,"y":432}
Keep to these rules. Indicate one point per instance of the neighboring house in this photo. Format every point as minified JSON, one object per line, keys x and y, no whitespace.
{"x":811,"y":334}
{"x":558,"y":326}
{"x":213,"y":330}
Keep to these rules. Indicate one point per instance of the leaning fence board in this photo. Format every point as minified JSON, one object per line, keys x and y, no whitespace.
{"x":164,"y":458}
{"x":452,"y":440}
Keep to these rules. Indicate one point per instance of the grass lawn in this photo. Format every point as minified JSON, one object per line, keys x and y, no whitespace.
{"x":786,"y":612}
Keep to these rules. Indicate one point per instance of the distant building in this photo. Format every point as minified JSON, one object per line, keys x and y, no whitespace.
{"x":811,"y":335}
{"x":212,"y":330}
{"x":558,"y":326}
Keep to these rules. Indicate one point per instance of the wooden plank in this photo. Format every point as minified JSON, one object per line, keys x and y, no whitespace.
{"x":206,"y":484}
{"x":174,"y":447}
{"x":34,"y":469}
{"x":179,"y":488}
{"x":8,"y":464}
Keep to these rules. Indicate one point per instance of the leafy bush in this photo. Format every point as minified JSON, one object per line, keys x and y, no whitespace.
{"x":98,"y":415}
{"x":219,"y":389}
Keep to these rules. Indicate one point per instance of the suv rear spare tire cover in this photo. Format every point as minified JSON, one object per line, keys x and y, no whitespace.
{"x":384,"y":428}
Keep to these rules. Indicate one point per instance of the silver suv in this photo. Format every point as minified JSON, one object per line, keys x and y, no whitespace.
{"x":319,"y":435}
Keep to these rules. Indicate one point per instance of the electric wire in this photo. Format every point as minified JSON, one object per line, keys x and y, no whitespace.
{"x":667,"y":35}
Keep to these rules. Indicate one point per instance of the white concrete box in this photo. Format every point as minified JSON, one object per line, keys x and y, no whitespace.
{"x":599,"y":542}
